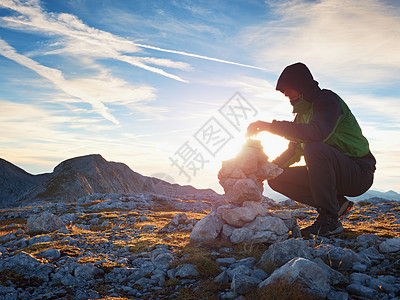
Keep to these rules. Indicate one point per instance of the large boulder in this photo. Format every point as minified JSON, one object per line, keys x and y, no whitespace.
{"x":282,"y":252}
{"x":312,"y":278}
{"x":27,"y":265}
{"x":208,"y":228}
{"x":44,"y":222}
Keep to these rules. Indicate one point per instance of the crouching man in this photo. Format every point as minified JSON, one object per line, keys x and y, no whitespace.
{"x":337,"y":155}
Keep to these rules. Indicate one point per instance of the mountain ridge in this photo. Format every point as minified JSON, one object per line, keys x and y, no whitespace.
{"x":79,"y":177}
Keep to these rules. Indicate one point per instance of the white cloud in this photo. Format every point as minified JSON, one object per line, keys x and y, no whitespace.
{"x":355,"y":41}
{"x":94,"y":90}
{"x":78,"y":38}
{"x":37,"y":135}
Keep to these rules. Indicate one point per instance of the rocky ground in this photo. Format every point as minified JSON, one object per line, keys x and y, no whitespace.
{"x":137,"y":246}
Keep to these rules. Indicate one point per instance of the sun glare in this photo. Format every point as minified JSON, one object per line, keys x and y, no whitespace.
{"x":273,"y":146}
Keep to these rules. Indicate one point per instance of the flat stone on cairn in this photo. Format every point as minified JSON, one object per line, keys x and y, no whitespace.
{"x":245,"y":218}
{"x":242,"y":177}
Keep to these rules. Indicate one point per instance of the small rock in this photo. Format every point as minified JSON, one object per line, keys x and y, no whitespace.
{"x":360,"y":290}
{"x":359,"y":267}
{"x":186,"y":271}
{"x":226,"y":261}
{"x":390,"y":245}
{"x":242,"y":284}
{"x":50,"y":254}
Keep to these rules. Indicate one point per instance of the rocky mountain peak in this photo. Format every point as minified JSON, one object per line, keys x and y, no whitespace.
{"x":15,"y":182}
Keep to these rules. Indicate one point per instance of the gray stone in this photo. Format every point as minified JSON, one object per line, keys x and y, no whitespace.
{"x":180,"y":218}
{"x":237,"y":216}
{"x":367,"y":240}
{"x":379,"y":284}
{"x":268,"y":223}
{"x":313,"y":278}
{"x":337,"y":257}
{"x":8,"y":293}
{"x":147,"y":267}
{"x":335,"y":277}
{"x":242,"y":190}
{"x":390,"y":245}
{"x":86,"y":271}
{"x":240,"y":235}
{"x":282,"y":252}
{"x":161,"y":258}
{"x":242,"y":284}
{"x":227,"y":231}
{"x":262,"y":230}
{"x":207,"y":229}
{"x":248,"y":262}
{"x":44,"y":222}
{"x":50,"y":254}
{"x":8,"y":237}
{"x":359,"y":267}
{"x":222,"y":278}
{"x":64,"y":230}
{"x":40,"y":239}
{"x":163,"y":261}
{"x":372,"y":253}
{"x":241,"y":269}
{"x":225,"y":261}
{"x":259,"y":208}
{"x":360,"y":290}
{"x":186,"y":271}
{"x":25,"y":264}
{"x":335,"y":295}
{"x":144,"y":283}
{"x":86,"y":294}
{"x":360,"y":278}
{"x":260,"y":274}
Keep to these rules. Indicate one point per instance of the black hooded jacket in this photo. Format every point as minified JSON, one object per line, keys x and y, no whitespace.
{"x":327,"y":120}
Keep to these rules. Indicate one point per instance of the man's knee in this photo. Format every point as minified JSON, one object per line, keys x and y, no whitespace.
{"x":316,"y":149}
{"x":274,"y":184}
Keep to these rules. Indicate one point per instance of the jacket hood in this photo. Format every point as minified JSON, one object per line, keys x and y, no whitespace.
{"x":297,"y":77}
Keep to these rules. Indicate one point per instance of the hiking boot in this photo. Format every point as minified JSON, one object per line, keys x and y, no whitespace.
{"x":344,"y":208}
{"x":323,"y":226}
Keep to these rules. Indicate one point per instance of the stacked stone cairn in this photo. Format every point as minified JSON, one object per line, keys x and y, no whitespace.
{"x":244,"y":217}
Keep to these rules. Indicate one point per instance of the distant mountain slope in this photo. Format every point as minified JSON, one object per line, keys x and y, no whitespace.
{"x":389,"y":195}
{"x":81,"y":176}
{"x":14,"y":182}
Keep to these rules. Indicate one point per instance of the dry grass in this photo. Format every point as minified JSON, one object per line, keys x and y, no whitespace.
{"x":358,"y":223}
{"x":201,"y":258}
{"x":282,"y":290}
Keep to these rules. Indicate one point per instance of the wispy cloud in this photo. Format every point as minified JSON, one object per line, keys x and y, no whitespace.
{"x":199,"y":56}
{"x":356,"y":41}
{"x":81,"y":39}
{"x":93,"y":90}
{"x":57,"y":78}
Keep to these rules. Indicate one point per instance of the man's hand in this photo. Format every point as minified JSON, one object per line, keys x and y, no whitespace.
{"x":256,"y":127}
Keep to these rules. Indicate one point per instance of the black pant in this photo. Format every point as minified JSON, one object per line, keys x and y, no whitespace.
{"x":328,"y":176}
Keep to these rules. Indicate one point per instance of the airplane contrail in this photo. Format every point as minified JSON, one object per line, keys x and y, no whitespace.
{"x":199,"y":56}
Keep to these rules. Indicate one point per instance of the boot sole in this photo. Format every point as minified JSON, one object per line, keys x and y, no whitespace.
{"x":336,"y":231}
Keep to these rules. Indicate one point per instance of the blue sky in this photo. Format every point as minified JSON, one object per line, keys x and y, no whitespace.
{"x":169,"y":87}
